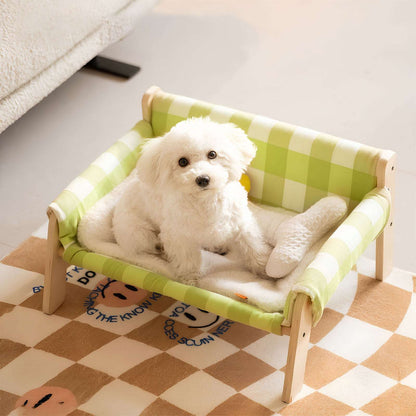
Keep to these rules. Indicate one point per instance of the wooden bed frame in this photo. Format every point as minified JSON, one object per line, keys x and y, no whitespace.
{"x":300,"y":330}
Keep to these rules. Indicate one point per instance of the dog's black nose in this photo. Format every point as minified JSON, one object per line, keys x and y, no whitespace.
{"x":202,"y":181}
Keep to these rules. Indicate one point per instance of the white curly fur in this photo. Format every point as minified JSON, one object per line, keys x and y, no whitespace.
{"x":162,"y":207}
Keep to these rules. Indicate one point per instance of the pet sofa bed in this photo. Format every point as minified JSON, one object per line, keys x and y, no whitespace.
{"x":294,"y":167}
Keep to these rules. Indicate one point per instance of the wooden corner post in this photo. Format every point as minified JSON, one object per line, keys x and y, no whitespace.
{"x":386,"y":169}
{"x":147,"y":102}
{"x":298,"y":347}
{"x":55,"y":272}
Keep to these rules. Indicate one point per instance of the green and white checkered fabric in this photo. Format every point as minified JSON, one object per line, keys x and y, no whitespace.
{"x":203,"y":299}
{"x":294,"y":168}
{"x":341,"y":251}
{"x":104,"y":174}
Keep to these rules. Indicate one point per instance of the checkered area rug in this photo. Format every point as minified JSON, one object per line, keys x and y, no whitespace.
{"x":113,"y":349}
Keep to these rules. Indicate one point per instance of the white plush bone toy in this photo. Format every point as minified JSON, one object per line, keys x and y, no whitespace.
{"x":296,"y":235}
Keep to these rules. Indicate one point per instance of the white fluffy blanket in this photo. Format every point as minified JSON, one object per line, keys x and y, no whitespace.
{"x":222,"y":275}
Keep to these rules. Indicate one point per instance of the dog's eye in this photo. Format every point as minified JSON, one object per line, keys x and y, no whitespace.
{"x":212,"y":154}
{"x":183,"y":161}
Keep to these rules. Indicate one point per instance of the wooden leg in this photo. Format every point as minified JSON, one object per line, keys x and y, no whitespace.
{"x":55,"y":272}
{"x":298,"y":347}
{"x":384,"y":252}
{"x":386,"y":169}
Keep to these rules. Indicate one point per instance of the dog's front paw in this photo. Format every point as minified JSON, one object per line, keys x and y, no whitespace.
{"x":186,"y":274}
{"x":190,"y":279}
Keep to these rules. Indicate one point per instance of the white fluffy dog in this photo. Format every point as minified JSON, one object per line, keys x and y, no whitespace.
{"x":184,"y":196}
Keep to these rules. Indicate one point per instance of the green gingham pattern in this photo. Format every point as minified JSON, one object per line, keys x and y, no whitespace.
{"x":294,"y":166}
{"x":104,"y":174}
{"x":340,"y":252}
{"x":153,"y":282}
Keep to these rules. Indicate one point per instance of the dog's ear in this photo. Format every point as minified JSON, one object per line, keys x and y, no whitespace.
{"x":149,"y":164}
{"x":243,"y":144}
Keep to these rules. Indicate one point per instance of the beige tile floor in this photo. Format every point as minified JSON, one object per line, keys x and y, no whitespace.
{"x":344,"y":67}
